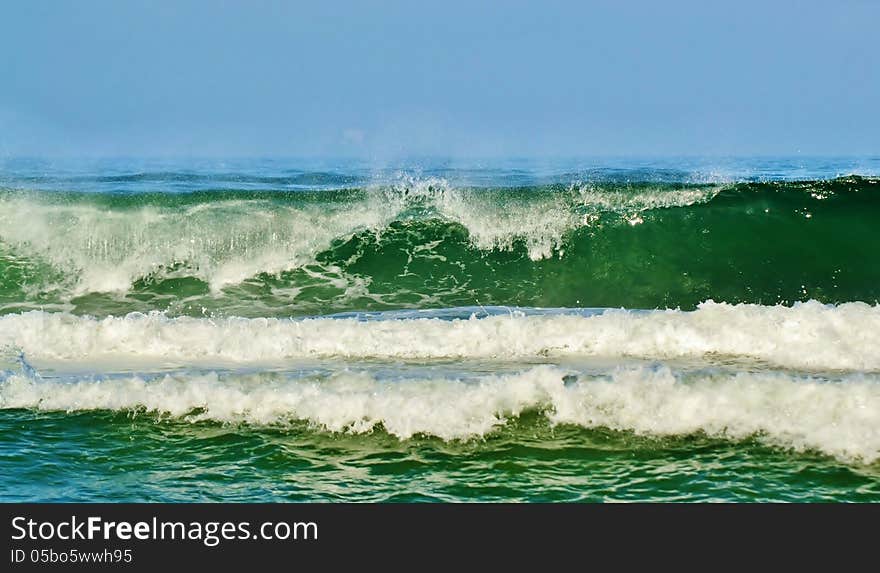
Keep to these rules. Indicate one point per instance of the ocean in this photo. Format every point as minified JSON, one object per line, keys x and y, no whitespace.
{"x":603,"y":330}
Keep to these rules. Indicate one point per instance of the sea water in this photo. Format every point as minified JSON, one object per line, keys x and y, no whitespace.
{"x":440,"y":330}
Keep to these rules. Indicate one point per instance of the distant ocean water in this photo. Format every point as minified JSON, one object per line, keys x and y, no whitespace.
{"x":606,"y":330}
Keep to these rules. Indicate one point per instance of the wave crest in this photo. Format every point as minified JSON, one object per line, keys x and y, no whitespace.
{"x":808,"y":336}
{"x":839,"y":418}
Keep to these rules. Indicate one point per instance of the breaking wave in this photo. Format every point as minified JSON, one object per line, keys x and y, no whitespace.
{"x":427,"y":243}
{"x":808,"y":336}
{"x":838,"y":417}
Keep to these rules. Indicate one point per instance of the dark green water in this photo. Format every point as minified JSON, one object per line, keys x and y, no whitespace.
{"x":120,"y":457}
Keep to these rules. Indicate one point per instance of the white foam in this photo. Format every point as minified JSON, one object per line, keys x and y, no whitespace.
{"x":222,"y":242}
{"x":839,"y":418}
{"x":805,"y":336}
{"x":541,"y":221}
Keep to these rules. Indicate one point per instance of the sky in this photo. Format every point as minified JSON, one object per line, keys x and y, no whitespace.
{"x":454,"y":79}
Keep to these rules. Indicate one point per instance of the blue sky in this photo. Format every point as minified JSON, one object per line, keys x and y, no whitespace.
{"x":388,"y":79}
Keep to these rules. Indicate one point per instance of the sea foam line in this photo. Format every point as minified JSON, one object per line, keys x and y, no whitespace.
{"x":839,"y":418}
{"x":804,"y":336}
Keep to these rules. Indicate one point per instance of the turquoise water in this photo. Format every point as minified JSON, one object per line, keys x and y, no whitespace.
{"x":615,"y":330}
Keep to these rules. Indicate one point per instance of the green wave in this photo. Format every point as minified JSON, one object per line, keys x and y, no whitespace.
{"x":427,"y":244}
